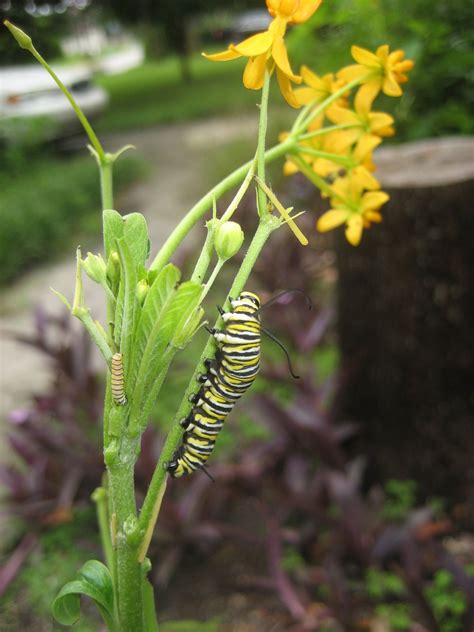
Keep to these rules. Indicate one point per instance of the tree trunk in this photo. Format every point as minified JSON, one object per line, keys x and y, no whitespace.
{"x":406,"y":307}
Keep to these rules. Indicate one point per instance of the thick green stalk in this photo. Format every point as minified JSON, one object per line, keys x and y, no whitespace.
{"x":130,"y":576}
{"x":205,"y":203}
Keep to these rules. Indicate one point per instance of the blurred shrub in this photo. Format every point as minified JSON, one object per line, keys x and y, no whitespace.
{"x":45,"y":204}
{"x":439,"y":97}
{"x":46,"y":31}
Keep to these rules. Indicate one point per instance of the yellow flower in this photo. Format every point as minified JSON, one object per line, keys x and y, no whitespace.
{"x":352,"y":207}
{"x":381,"y":70}
{"x":317,"y":88}
{"x":367,"y":128}
{"x":269,"y":46}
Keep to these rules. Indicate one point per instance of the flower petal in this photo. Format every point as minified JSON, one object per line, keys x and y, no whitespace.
{"x":332,"y":219}
{"x":286,"y":89}
{"x":365,"y":57}
{"x":373,"y":200}
{"x":390,"y":86}
{"x":343,"y":116}
{"x":366,"y":144}
{"x":226,"y":55}
{"x":349,"y":73}
{"x":305,"y":95}
{"x":306,"y":10}
{"x":367,"y":93}
{"x":354,"y":230}
{"x":280,"y":56}
{"x":289,"y":168}
{"x":254,"y":72}
{"x":254,"y":45}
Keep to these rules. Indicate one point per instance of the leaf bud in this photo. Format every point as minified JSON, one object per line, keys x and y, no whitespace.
{"x":228,"y":240}
{"x":142,"y":291}
{"x":132,"y":531}
{"x":113,"y":267}
{"x":95,"y":268}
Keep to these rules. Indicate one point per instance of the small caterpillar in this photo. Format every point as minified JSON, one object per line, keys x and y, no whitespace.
{"x":227,"y":378}
{"x":118,"y":390}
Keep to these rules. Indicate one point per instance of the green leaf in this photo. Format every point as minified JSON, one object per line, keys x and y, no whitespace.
{"x":136,"y":234}
{"x":175,"y":324}
{"x":174,"y":327}
{"x":94,"y":581}
{"x":159,"y":293}
{"x":113,"y":230}
{"x":128,"y":307}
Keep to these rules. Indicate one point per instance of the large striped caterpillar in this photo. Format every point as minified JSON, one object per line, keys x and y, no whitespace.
{"x":227,"y":378}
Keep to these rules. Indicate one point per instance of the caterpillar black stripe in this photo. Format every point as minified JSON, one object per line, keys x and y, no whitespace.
{"x":118,"y":390}
{"x":227,"y":378}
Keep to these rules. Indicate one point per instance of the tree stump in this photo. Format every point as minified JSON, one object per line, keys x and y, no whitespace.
{"x":406,"y":320}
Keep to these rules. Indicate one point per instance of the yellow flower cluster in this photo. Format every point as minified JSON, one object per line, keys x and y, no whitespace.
{"x":267,"y":50}
{"x":335,"y":151}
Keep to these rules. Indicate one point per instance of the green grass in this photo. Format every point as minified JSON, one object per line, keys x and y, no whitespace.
{"x":49,"y":206}
{"x":155,"y":93}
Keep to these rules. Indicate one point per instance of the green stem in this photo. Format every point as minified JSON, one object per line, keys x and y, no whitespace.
{"x":106,"y":181}
{"x":303,"y":121}
{"x":100,"y":497}
{"x":262,"y":134}
{"x":212,"y":278}
{"x":207,"y":251}
{"x":338,"y":159}
{"x":79,"y":113}
{"x":325,"y":130}
{"x":201,"y":207}
{"x":230,"y":210}
{"x":148,"y":514}
{"x":316,"y":179}
{"x":129,"y":594}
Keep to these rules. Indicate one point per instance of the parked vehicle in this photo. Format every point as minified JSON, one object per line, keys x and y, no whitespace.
{"x":28,"y":92}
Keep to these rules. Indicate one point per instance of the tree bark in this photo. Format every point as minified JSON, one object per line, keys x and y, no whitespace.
{"x":406,"y":320}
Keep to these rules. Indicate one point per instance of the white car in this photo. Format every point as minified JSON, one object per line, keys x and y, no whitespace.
{"x":29,"y":92}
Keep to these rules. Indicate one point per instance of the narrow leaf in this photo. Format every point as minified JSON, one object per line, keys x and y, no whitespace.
{"x":113,"y":230}
{"x":181,"y":309}
{"x":129,"y":309}
{"x":136,"y":234}
{"x":159,"y":293}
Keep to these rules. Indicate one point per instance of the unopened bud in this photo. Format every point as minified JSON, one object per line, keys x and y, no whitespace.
{"x":142,"y":291}
{"x":21,"y":37}
{"x":228,"y":240}
{"x":132,"y":531}
{"x":113,"y":267}
{"x":95,"y":268}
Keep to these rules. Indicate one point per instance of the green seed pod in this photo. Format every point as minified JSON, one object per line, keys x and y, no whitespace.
{"x":113,"y":267}
{"x":142,"y":291}
{"x":228,"y":240}
{"x":21,"y":37}
{"x":95,"y":268}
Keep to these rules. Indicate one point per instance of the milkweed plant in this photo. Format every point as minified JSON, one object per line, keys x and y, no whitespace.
{"x":152,"y":313}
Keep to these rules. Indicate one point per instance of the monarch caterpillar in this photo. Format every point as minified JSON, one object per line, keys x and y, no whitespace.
{"x":118,"y":391}
{"x":227,"y":378}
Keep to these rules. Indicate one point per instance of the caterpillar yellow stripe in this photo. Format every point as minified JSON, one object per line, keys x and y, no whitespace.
{"x":228,"y":376}
{"x":118,"y":382}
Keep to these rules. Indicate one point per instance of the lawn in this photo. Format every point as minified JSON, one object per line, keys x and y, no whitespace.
{"x":156,"y":93}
